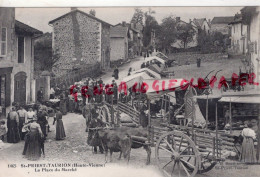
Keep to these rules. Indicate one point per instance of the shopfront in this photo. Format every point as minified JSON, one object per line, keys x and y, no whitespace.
{"x":5,"y":90}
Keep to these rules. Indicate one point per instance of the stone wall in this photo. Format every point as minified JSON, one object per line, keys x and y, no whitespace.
{"x":77,"y":39}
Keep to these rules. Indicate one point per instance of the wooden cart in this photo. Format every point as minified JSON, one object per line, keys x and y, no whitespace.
{"x":180,"y":150}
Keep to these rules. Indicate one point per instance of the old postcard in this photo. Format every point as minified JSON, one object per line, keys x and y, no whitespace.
{"x":130,"y":91}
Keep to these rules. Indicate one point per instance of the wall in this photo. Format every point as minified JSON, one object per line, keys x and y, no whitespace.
{"x":7,"y":19}
{"x":78,"y":40}
{"x":223,"y":28}
{"x":105,"y":46}
{"x":206,"y":25}
{"x":118,"y":49}
{"x":255,"y":37}
{"x":237,"y":39}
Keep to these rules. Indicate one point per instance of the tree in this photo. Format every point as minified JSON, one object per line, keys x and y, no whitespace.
{"x":185,"y":33}
{"x":138,"y":16}
{"x":150,"y":25}
{"x":167,"y":33}
{"x":45,"y":58}
{"x":92,"y":12}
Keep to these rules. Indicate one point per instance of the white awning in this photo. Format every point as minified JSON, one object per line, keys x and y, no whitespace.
{"x":241,"y":99}
{"x":154,"y":74}
{"x":155,"y":58}
{"x":135,"y":78}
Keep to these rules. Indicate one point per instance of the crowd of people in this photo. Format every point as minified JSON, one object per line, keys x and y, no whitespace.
{"x":32,"y":127}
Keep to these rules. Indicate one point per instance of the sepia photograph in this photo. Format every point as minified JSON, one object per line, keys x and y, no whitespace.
{"x":102,"y":91}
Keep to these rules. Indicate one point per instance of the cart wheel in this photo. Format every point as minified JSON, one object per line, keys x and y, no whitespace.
{"x":207,"y":164}
{"x":104,"y":114}
{"x":174,"y":152}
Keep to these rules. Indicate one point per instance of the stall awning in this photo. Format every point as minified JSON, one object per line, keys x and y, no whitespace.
{"x":149,"y":72}
{"x":136,"y":78}
{"x":151,"y":92}
{"x":241,"y":99}
{"x":155,"y":58}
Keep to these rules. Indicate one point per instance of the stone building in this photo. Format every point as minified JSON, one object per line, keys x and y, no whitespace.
{"x":251,"y":17}
{"x":80,"y":40}
{"x":221,"y":24}
{"x":238,"y":35}
{"x":17,"y":82}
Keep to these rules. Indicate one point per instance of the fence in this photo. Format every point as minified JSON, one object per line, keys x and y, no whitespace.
{"x":76,"y":76}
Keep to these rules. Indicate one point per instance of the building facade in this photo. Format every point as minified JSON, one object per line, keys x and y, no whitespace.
{"x":202,"y":24}
{"x":80,"y":39}
{"x":16,"y":61}
{"x":251,"y":17}
{"x":119,"y":43}
{"x":238,"y":35}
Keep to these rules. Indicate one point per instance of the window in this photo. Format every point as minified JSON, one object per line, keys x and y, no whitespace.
{"x":3,"y":41}
{"x":241,"y":30}
{"x":20,"y":49}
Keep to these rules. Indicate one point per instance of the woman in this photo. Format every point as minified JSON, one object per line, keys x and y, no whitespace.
{"x":34,"y":141}
{"x":248,"y":152}
{"x":60,"y":132}
{"x":30,"y":115}
{"x":12,"y":125}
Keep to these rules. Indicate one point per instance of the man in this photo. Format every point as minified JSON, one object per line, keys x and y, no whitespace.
{"x":93,"y":137}
{"x":86,"y":112}
{"x":22,"y":120}
{"x":116,"y":73}
{"x":42,"y":120}
{"x":115,"y":90}
{"x":40,"y":95}
{"x":170,"y":116}
{"x":143,"y":65}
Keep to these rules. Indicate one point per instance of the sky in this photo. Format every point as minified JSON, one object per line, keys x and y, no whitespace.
{"x":39,"y":17}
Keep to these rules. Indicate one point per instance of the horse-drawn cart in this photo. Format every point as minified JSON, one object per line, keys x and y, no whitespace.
{"x":179,"y":150}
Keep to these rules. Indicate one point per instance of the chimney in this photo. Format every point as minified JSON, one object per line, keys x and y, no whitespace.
{"x":73,"y":8}
{"x":178,"y":19}
{"x":123,"y":23}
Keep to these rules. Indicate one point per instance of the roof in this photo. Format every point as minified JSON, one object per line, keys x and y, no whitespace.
{"x":118,"y":31}
{"x":149,"y":72}
{"x":199,"y":21}
{"x":222,"y":20}
{"x":237,"y":19}
{"x":238,"y":99}
{"x":21,"y":28}
{"x":84,"y":13}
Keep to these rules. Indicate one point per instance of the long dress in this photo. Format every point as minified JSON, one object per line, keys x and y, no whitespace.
{"x":12,"y":125}
{"x":42,"y":121}
{"x":60,"y":132}
{"x":248,"y":154}
{"x":33,"y":149}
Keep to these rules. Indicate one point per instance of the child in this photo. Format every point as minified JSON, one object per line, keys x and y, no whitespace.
{"x":2,"y":130}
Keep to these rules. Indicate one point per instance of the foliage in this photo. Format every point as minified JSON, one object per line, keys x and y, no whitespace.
{"x":185,"y":33}
{"x":167,"y":33}
{"x":45,"y":58}
{"x":138,"y":16}
{"x":150,"y":25}
{"x":92,"y":12}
